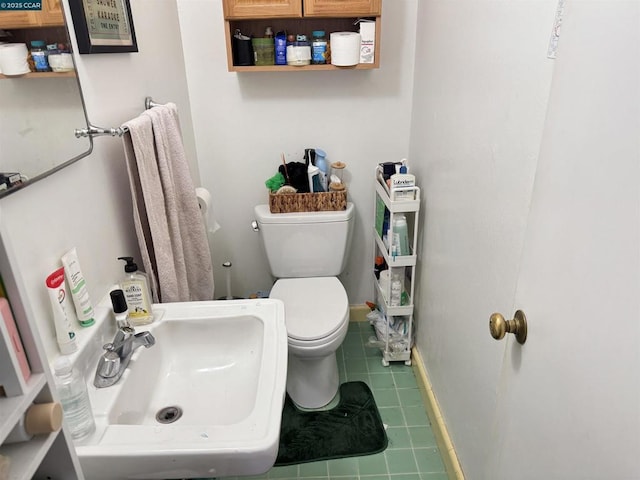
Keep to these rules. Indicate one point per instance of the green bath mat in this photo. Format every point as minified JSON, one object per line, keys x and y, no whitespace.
{"x":351,"y":428}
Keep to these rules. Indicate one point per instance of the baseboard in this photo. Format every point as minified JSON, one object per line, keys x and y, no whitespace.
{"x":449,"y":457}
{"x":358,"y":313}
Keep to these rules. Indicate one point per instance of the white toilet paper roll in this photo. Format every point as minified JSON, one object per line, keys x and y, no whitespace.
{"x":13,"y":59}
{"x":345,"y":48}
{"x":204,"y":202}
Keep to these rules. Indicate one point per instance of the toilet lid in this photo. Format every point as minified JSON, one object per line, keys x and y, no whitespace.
{"x":314,"y":307}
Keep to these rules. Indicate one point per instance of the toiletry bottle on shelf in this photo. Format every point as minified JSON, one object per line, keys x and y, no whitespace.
{"x":379,"y":266}
{"x":74,"y":398}
{"x":401,"y":184}
{"x":137,"y":293}
{"x":281,"y":48}
{"x":400,"y":229}
{"x":396,"y":291}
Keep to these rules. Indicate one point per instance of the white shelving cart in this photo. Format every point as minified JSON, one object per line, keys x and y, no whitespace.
{"x":44,"y":457}
{"x":396,"y":333}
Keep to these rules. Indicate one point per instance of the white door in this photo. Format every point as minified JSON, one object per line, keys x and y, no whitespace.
{"x":569,"y":403}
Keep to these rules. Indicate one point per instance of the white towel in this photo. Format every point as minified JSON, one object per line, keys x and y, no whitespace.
{"x":171,"y":235}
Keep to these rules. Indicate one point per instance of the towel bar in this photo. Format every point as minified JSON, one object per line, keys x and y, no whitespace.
{"x":93,"y":131}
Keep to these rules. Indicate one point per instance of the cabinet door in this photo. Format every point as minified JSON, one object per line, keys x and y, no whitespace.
{"x":262,"y":8}
{"x":18,"y":19}
{"x":51,"y":14}
{"x":341,"y":8}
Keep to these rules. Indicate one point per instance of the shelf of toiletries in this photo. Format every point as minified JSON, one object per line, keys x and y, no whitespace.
{"x":33,"y":445}
{"x":395,"y":230}
{"x":392,"y":299}
{"x":270,"y":36}
{"x":302,"y":29}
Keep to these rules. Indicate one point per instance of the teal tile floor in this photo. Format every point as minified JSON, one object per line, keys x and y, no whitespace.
{"x":412,"y":453}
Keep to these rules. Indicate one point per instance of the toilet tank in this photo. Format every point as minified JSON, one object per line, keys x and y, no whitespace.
{"x":306,"y":244}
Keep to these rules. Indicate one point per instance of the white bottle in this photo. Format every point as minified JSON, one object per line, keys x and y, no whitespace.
{"x":396,"y":291}
{"x":74,"y":399}
{"x":120,"y":308}
{"x":400,"y":229}
{"x":135,"y":286}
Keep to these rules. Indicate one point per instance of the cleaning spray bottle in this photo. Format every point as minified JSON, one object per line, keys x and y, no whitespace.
{"x":135,"y":286}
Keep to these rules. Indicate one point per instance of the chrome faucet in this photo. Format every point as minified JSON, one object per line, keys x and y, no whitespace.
{"x":115,"y":360}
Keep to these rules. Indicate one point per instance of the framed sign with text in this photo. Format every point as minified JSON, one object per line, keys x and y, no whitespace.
{"x":103,"y":26}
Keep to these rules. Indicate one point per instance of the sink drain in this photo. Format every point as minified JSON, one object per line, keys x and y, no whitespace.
{"x":168,"y":414}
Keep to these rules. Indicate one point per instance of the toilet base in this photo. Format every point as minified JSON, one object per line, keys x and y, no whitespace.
{"x":312,"y":382}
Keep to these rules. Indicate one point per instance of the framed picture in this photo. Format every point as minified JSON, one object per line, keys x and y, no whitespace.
{"x":103,"y":26}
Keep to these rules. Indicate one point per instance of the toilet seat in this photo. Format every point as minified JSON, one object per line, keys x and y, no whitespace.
{"x":315,"y":307}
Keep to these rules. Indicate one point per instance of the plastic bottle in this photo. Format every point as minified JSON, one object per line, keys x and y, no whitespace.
{"x":74,"y":399}
{"x":137,"y":293}
{"x":281,"y":48}
{"x":400,"y":229}
{"x":318,"y":47}
{"x":39,"y":55}
{"x":396,"y":291}
{"x":321,"y":163}
{"x":120,"y":308}
{"x":400,"y":181}
{"x":299,"y":51}
{"x":379,"y":266}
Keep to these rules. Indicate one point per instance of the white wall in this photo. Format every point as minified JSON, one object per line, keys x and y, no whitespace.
{"x":243,"y":121}
{"x":481,"y":88}
{"x":88,"y":205}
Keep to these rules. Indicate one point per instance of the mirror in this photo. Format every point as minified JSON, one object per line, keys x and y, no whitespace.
{"x":40,"y":110}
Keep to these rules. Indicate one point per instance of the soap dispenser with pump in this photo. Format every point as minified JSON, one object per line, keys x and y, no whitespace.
{"x":135,"y":286}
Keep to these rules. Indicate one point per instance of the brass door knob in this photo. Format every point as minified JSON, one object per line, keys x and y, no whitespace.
{"x":498,"y":326}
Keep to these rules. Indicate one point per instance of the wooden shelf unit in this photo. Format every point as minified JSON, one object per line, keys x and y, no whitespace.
{"x":40,"y":75}
{"x":252,"y":18}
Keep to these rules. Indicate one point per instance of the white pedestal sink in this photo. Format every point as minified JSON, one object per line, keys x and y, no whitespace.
{"x":218,"y":369}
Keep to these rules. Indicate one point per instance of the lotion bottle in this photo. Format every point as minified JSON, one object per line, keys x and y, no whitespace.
{"x":135,"y":286}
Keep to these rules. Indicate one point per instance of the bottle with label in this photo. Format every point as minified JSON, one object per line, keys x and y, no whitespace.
{"x":74,"y":398}
{"x":396,"y":291}
{"x":281,"y":48}
{"x":135,"y":286}
{"x":39,"y":55}
{"x":318,"y":47}
{"x":299,"y":52}
{"x":321,"y":163}
{"x":402,"y":239}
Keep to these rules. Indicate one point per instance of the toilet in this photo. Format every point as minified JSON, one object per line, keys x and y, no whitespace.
{"x":306,"y":251}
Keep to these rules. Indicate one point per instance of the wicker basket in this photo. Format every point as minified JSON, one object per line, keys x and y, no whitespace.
{"x":307,"y":202}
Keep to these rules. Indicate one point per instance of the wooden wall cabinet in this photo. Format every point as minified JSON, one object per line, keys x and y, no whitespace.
{"x":252,"y":17}
{"x":333,"y":8}
{"x":50,"y":15}
{"x":234,"y":9}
